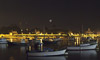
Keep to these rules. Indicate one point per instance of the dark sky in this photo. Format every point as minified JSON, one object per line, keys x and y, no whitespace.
{"x":66,"y":14}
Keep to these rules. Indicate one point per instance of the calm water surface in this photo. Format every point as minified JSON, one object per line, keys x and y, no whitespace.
{"x":19,"y":53}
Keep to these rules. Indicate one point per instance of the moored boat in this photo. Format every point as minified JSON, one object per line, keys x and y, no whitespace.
{"x":22,"y":42}
{"x":3,"y":41}
{"x":52,"y":41}
{"x":46,"y":53}
{"x":12,"y":43}
{"x":82,"y":47}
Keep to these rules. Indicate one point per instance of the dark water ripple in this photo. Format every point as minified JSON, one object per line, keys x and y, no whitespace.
{"x":19,"y":53}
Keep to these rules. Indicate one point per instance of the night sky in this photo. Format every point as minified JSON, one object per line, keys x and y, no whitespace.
{"x":66,"y":14}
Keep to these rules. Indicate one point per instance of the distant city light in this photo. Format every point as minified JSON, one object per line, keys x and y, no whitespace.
{"x":27,"y":29}
{"x":21,"y":29}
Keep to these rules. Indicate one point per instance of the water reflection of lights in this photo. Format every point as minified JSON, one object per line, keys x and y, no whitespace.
{"x":30,"y":48}
{"x":11,"y":58}
{"x":77,"y":42}
{"x":3,"y":46}
{"x":11,"y":40}
{"x":23,"y":49}
{"x":89,"y":55}
{"x":48,"y":58}
{"x":83,"y":55}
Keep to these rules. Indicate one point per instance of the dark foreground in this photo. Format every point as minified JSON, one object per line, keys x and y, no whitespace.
{"x":19,"y":53}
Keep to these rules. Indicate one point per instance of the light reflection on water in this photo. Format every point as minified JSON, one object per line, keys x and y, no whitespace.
{"x":48,"y":58}
{"x":11,"y":58}
{"x":3,"y":46}
{"x":19,"y":53}
{"x":23,"y":49}
{"x":83,"y":55}
{"x":12,"y":52}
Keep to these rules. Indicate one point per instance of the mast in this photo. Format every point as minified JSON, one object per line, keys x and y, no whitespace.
{"x":82,"y":28}
{"x":44,"y":31}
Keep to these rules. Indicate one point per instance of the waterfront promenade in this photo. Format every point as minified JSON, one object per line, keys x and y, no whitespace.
{"x":30,"y":36}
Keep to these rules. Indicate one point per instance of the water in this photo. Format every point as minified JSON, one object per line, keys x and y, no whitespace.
{"x":83,"y":55}
{"x":48,"y":58}
{"x":12,"y":52}
{"x":19,"y":53}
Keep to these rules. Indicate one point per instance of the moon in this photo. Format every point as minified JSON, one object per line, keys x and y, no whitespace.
{"x":50,"y":20}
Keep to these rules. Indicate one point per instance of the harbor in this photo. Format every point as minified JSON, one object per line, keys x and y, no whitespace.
{"x":49,"y":30}
{"x":72,"y":46}
{"x":42,"y":45}
{"x":18,"y":52}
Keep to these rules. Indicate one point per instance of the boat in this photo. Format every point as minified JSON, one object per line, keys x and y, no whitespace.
{"x":82,"y":47}
{"x":57,"y":39}
{"x":71,"y":38}
{"x":46,"y":53}
{"x":12,"y":43}
{"x":16,"y":43}
{"x":3,"y":41}
{"x":22,"y":42}
{"x":89,"y":40}
{"x":52,"y":41}
{"x":87,"y":44}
